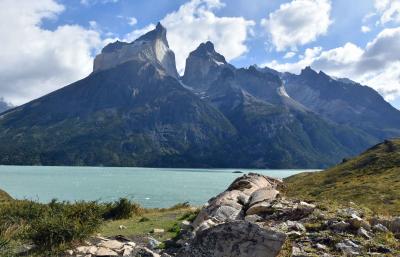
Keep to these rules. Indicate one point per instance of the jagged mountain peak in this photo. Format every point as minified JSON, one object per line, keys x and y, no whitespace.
{"x":308,"y":71}
{"x":159,"y":33}
{"x":207,"y":50}
{"x":203,"y":66}
{"x":152,"y":47}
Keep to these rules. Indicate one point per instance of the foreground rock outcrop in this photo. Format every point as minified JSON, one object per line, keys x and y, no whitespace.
{"x":252,"y":219}
{"x":221,"y":228}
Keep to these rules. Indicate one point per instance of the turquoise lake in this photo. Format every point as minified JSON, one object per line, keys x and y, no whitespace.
{"x":151,"y":187}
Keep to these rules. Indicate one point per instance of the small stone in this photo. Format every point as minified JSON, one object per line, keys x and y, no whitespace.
{"x":295,"y":226}
{"x":153,"y":243}
{"x":383,"y":249}
{"x":348,"y":212}
{"x":306,"y":205}
{"x":205,"y":225}
{"x":346,"y":249}
{"x":297,"y":252}
{"x":181,"y":242}
{"x":158,"y":230}
{"x":86,"y":249}
{"x":253,"y":218}
{"x":25,"y":248}
{"x":380,"y":228}
{"x":69,"y":252}
{"x":294,"y":234}
{"x":185,"y":224}
{"x":364,"y":233}
{"x":277,"y":206}
{"x":321,"y":247}
{"x":127,"y":250}
{"x":101,"y":238}
{"x":356,"y":222}
{"x":112,"y":244}
{"x":144,"y":252}
{"x":103,"y":252}
{"x":306,"y":208}
{"x":340,"y":226}
{"x":133,"y":244}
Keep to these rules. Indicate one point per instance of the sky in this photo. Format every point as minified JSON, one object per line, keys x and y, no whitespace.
{"x":47,"y":44}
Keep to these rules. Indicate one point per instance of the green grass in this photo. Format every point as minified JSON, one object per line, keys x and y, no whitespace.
{"x":371,"y":179}
{"x":4,"y":196}
{"x":55,"y":226}
{"x":142,"y":225}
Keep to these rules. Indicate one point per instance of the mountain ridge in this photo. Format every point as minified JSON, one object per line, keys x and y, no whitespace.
{"x":135,"y":110}
{"x":370,"y":179}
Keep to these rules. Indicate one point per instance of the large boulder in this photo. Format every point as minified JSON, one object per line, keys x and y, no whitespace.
{"x":232,"y":203}
{"x":222,"y":229}
{"x":263,"y":194}
{"x":235,"y":239}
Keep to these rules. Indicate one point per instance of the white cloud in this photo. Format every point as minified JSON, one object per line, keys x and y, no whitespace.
{"x":377,"y":65}
{"x":138,"y":32}
{"x":289,"y":55}
{"x":195,"y":22}
{"x":365,"y":29}
{"x":92,"y":2}
{"x":93,"y":25}
{"x":389,"y":10}
{"x":132,"y":21}
{"x":44,"y":60}
{"x":305,"y":60}
{"x":368,"y":16}
{"x":298,"y":23}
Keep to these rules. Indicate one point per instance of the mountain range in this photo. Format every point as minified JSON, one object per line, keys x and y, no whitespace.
{"x":134,"y":109}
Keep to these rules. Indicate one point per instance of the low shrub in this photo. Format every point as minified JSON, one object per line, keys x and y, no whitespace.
{"x":190,"y":215}
{"x":121,"y":209}
{"x":49,"y":232}
{"x":144,"y":219}
{"x":56,"y":224}
{"x":179,"y":206}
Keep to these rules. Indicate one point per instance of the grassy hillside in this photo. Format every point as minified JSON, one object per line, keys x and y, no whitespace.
{"x":371,"y":179}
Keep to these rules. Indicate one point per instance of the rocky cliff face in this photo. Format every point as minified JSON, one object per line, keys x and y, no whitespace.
{"x":203,"y":66}
{"x":151,"y":48}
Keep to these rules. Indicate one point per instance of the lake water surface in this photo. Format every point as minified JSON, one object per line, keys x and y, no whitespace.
{"x":151,"y":187}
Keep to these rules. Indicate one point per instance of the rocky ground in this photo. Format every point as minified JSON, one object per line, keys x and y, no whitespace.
{"x":252,"y":219}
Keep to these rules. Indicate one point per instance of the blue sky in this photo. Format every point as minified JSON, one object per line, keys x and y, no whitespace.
{"x":112,"y":17}
{"x":325,"y":34}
